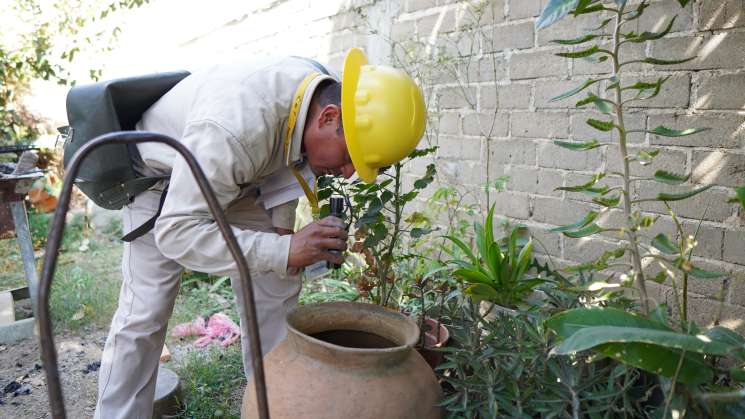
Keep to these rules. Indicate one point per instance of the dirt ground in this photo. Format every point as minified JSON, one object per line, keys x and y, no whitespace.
{"x":85,"y":303}
{"x":79,"y":357}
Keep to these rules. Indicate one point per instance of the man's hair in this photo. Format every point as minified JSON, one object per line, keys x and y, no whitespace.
{"x":328,"y":92}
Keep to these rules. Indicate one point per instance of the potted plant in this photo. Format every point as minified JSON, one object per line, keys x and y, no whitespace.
{"x":382,"y":229}
{"x":497,"y":272}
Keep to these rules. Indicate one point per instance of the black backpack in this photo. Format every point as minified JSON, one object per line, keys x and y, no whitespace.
{"x":107,"y":175}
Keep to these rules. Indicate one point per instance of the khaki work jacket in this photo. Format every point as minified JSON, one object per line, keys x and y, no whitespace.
{"x":234,"y":118}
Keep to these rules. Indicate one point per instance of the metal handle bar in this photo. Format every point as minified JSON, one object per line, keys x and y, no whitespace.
{"x":48,"y":350}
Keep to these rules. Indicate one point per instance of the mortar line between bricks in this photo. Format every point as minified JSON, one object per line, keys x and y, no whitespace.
{"x":427,"y":12}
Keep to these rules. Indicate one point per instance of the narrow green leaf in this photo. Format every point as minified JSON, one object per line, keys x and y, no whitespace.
{"x":582,"y":53}
{"x":523,"y":260}
{"x":641,"y":85}
{"x":657,"y":61}
{"x":596,"y":192}
{"x":600,"y":263}
{"x":554,"y":11}
{"x":645,"y":157}
{"x":651,"y":36}
{"x":670,"y":178}
{"x":635,"y":14}
{"x":602,"y":105}
{"x":579,"y":146}
{"x":482,"y":291}
{"x":419,"y":152}
{"x":512,"y":246}
{"x":473,"y":276}
{"x":739,"y":196}
{"x":575,"y":41}
{"x":700,"y":273}
{"x":417,"y":232}
{"x":527,"y":285}
{"x":450,"y":399}
{"x":609,"y":202}
{"x":604,"y":126}
{"x":683,"y":3}
{"x":575,"y":90}
{"x":679,"y":196}
{"x":579,"y":188}
{"x":663,"y":243}
{"x":489,"y":227}
{"x":656,"y":87}
{"x":590,"y":217}
{"x":602,"y":24}
{"x":465,"y":249}
{"x":583,"y":232}
{"x":586,"y":9}
{"x":667,"y":132}
{"x":481,"y":245}
{"x":493,"y":260}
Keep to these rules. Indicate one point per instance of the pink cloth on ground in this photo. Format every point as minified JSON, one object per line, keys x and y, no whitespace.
{"x":219,"y":326}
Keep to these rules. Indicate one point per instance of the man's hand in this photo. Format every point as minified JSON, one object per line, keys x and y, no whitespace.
{"x":312,"y":242}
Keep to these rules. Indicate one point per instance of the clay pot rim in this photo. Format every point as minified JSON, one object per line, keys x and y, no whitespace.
{"x":444,"y":334}
{"x":374,"y":309}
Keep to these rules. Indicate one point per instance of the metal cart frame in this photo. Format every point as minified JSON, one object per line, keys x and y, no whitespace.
{"x":48,"y":350}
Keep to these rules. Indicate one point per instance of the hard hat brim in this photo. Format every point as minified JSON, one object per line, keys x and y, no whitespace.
{"x":353,"y":63}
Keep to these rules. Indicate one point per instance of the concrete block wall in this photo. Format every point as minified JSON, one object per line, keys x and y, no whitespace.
{"x":488,"y":77}
{"x":706,"y":92}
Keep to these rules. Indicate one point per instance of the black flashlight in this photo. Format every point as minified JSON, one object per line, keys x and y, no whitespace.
{"x":337,"y":210}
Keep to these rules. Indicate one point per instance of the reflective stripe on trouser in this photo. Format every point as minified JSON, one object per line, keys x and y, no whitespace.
{"x":126,"y":382}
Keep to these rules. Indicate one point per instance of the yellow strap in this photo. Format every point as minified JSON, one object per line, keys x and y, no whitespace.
{"x":297,"y":101}
{"x":311,"y":195}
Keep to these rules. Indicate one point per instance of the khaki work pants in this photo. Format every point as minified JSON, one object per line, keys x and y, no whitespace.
{"x":126,"y":382}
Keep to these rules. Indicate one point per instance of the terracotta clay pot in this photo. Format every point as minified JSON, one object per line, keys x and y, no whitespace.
{"x":436,"y":335}
{"x":347,"y":360}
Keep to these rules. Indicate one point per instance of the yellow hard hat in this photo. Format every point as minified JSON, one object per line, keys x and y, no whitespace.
{"x":382,"y":112}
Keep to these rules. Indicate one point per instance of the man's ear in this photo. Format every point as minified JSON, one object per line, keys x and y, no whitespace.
{"x":330,"y":114}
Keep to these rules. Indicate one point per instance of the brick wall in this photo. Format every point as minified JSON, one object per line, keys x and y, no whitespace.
{"x":488,"y":76}
{"x":706,"y":92}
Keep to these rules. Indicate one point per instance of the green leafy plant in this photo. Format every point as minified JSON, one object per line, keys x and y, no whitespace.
{"x":45,"y":39}
{"x":688,"y":363}
{"x":377,"y":212}
{"x":413,"y":264}
{"x":494,"y":273}
{"x":684,"y":358}
{"x":502,"y":368}
{"x":634,"y":252}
